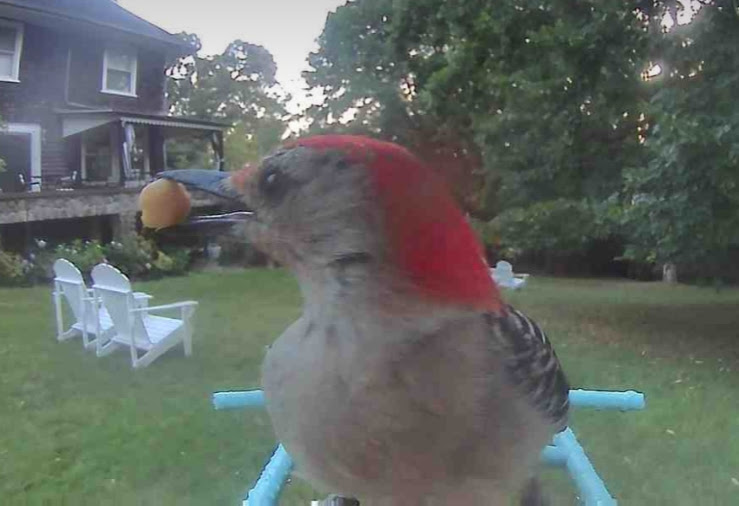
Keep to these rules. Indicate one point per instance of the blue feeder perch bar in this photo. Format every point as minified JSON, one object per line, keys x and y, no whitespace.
{"x":565,"y":451}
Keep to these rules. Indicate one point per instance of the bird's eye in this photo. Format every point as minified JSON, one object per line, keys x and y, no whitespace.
{"x":273,"y":184}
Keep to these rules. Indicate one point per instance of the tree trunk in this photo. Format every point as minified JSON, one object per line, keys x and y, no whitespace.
{"x":669,"y":273}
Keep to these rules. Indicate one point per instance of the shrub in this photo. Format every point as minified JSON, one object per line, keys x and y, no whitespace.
{"x":139,"y":257}
{"x":179,"y":261}
{"x":14,"y":270}
{"x":42,"y":265}
{"x":133,"y":256}
{"x":559,"y":227}
{"x":85,"y":255}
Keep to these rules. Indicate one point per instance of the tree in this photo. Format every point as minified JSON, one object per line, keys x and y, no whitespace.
{"x":370,"y":65}
{"x":243,"y":146}
{"x":542,"y":109}
{"x":522,"y":102}
{"x":237,"y":87}
{"x":684,"y":203}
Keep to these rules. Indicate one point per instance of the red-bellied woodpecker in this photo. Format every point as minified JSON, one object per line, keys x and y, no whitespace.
{"x":406,"y":381}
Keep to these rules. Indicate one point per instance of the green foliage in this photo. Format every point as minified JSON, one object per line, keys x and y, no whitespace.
{"x":562,"y":227}
{"x":473,"y":74}
{"x":236,"y":87}
{"x":684,"y":205}
{"x":14,"y":269}
{"x":232,"y":86}
{"x":242,"y":145}
{"x":135,"y":256}
{"x":138,"y":257}
{"x":529,"y":105}
{"x":373,"y":61}
{"x":174,"y":262}
{"x":563,"y":90}
{"x":85,"y":255}
{"x":239,"y":147}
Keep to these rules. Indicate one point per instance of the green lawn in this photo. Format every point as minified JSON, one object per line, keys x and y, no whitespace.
{"x":78,"y":430}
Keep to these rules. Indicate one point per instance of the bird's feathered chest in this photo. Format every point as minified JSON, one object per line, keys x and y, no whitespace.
{"x":356,"y":403}
{"x":348,"y":398}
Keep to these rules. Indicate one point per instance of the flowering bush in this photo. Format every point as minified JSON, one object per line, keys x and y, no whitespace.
{"x":138,"y":257}
{"x":85,"y":255}
{"x":135,"y":256}
{"x":174,"y":262}
{"x":14,"y":270}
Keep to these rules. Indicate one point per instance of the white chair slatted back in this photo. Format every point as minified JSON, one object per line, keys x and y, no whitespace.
{"x":503,"y":271}
{"x":68,"y":281}
{"x":114,"y":290}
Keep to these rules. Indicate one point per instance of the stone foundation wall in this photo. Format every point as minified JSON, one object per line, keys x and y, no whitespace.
{"x":59,"y":205}
{"x":124,"y":224}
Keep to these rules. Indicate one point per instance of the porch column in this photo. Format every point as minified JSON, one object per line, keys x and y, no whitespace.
{"x":156,"y":149}
{"x":126,"y":140}
{"x":217,"y":143}
{"x":120,"y":138}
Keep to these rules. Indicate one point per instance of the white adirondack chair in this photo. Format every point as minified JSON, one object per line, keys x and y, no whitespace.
{"x":147,"y":336}
{"x":503,"y":276}
{"x":89,"y":319}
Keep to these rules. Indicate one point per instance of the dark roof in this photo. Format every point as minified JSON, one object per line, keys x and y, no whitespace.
{"x":136,"y":117}
{"x":103,"y":13}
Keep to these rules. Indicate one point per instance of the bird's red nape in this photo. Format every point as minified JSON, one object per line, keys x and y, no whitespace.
{"x":431,"y":239}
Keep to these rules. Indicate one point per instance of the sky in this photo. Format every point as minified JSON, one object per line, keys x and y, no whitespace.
{"x":287,"y":28}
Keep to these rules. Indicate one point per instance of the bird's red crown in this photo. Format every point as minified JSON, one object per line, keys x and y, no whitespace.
{"x":430,"y":239}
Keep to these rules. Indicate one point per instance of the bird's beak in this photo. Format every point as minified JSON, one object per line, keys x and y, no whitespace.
{"x":216,"y":183}
{"x":212,"y":181}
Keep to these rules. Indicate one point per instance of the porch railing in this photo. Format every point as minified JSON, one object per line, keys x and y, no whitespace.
{"x":71,"y":182}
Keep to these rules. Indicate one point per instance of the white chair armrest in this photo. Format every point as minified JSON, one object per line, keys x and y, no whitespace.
{"x":142,"y":295}
{"x":176,"y":305}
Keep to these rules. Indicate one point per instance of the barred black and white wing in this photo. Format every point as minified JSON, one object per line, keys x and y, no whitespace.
{"x":532,"y":364}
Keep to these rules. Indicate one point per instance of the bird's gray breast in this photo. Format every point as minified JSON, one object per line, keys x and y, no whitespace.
{"x":347,"y":411}
{"x":309,"y":378}
{"x":362,"y":408}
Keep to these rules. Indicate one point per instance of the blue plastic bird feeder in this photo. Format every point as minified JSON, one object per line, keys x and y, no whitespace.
{"x":565,"y":451}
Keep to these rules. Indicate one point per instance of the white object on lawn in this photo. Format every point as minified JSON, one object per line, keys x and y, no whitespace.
{"x":503,"y":276}
{"x":134,"y":326}
{"x":90,"y":317}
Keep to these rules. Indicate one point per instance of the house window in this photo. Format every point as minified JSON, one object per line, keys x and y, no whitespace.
{"x":11,"y":43}
{"x":119,"y":72}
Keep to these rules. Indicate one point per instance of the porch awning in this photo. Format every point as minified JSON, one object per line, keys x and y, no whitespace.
{"x":77,"y":121}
